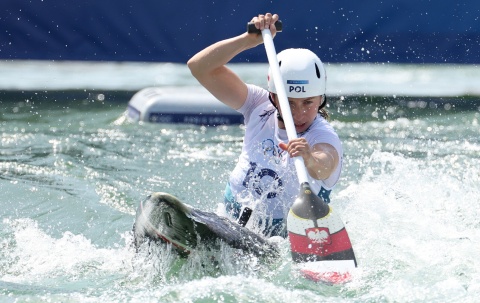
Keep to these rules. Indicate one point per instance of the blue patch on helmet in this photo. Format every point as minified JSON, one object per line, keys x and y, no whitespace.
{"x":297,"y":81}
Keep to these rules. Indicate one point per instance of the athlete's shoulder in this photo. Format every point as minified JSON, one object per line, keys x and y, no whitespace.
{"x":323,"y":132}
{"x":321,"y":124}
{"x":257,"y":102}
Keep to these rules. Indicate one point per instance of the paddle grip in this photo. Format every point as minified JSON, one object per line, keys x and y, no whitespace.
{"x":252,"y":29}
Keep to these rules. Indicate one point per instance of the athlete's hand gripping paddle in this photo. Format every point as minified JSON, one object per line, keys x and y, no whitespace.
{"x":318,"y":238}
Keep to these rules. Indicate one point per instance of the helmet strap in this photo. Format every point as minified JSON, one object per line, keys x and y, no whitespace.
{"x":279,"y":117}
{"x":324,"y":103}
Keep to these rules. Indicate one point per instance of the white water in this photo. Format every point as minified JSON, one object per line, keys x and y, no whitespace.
{"x":72,"y":176}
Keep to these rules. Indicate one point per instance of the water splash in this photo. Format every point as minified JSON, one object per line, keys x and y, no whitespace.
{"x":409,"y":223}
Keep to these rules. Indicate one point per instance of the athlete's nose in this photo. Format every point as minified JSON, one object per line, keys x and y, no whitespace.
{"x":297,"y":112}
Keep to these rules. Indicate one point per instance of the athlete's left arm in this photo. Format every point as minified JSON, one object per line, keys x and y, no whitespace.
{"x":321,"y":160}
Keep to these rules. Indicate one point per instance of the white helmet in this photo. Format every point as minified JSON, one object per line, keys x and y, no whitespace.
{"x":302,"y":72}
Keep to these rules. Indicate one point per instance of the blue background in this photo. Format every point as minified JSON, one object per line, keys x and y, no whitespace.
{"x":407,"y":31}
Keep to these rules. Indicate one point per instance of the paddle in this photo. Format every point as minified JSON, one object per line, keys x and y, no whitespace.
{"x":318,"y":238}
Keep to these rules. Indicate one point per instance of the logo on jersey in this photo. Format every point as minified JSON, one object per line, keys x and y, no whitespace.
{"x":272,"y":150}
{"x":263,"y":180}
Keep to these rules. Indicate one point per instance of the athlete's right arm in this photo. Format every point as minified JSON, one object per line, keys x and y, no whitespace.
{"x":208,"y":66}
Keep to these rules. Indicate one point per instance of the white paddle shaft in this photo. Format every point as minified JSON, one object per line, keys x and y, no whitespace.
{"x":282,"y":97}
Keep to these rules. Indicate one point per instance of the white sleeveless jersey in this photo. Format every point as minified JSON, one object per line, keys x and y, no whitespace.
{"x":265,"y":177}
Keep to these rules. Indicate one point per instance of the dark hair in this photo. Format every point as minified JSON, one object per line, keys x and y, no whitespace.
{"x":322,"y":110}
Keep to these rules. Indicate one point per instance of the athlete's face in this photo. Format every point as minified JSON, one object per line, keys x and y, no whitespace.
{"x":304,"y":111}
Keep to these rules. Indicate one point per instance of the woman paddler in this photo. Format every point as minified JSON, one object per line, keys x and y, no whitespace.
{"x":264,"y":177}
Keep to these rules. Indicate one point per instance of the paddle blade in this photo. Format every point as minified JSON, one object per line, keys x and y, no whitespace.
{"x":316,"y":231}
{"x":328,"y":272}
